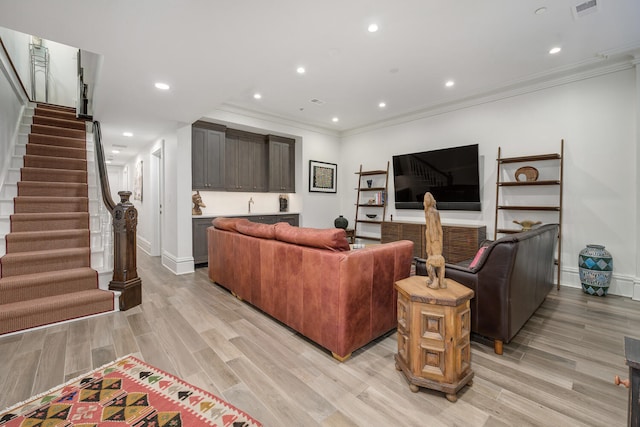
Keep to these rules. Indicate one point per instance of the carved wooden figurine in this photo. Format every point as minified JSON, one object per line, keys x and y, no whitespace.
{"x":435,"y":260}
{"x":197,"y":204}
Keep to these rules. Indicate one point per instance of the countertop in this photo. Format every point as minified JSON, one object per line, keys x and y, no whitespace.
{"x":213,"y":215}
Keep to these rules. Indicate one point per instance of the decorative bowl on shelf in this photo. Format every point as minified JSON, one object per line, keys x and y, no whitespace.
{"x":371,"y":216}
{"x":530,"y":173}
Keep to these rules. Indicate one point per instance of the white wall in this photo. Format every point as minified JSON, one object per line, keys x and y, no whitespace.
{"x":63,"y":74}
{"x":62,"y":67}
{"x":17,"y":45}
{"x":12,"y":103}
{"x":597,"y":119}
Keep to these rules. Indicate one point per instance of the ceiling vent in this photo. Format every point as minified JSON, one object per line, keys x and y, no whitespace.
{"x":316,"y":101}
{"x":585,"y":8}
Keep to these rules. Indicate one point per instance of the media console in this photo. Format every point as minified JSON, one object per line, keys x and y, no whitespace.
{"x":460,"y":242}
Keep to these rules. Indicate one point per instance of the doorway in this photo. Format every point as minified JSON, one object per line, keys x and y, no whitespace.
{"x":157,"y":193}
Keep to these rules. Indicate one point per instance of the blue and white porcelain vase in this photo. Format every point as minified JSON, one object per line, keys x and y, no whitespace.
{"x":595,"y":265}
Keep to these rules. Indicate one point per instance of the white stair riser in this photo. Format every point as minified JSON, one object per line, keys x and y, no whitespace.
{"x":17,"y":162}
{"x":5,"y":226}
{"x":20,"y":150}
{"x":6,"y":207}
{"x":13,"y":176}
{"x":9,"y":191}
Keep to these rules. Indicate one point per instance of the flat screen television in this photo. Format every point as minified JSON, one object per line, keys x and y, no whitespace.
{"x":450,"y":174}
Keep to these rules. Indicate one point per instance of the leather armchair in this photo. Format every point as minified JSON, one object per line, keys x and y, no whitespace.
{"x":510,"y":281}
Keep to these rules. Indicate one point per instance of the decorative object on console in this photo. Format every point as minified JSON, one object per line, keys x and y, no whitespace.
{"x":341,"y":222}
{"x":530,"y":173}
{"x":526,"y":224}
{"x":284,"y":203}
{"x":322,"y":177}
{"x":595,"y":265}
{"x":433,"y":239}
{"x":197,"y":204}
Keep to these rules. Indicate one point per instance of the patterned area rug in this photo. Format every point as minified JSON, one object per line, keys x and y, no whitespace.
{"x":127,"y":392}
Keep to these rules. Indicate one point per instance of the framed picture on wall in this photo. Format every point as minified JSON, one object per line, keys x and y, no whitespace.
{"x":137,"y":184}
{"x":322,"y":177}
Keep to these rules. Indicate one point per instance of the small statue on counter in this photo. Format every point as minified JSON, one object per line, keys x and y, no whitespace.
{"x":197,"y":204}
{"x":435,"y":260}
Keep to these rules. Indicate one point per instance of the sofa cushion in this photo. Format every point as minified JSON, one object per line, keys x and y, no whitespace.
{"x":334,"y":239}
{"x":255,"y":229}
{"x":228,"y":224}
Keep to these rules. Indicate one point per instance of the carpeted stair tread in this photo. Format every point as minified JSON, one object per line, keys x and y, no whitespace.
{"x":19,"y":263}
{"x":53,"y":175}
{"x":58,"y":131}
{"x":46,"y":275}
{"x":59,"y":122}
{"x":49,"y":162}
{"x":38,"y":204}
{"x":58,"y":189}
{"x":46,"y":111}
{"x":43,"y":311}
{"x":24,"y":287}
{"x":49,"y":221}
{"x":56,"y":107}
{"x":59,"y":141}
{"x":27,"y":241}
{"x":56,"y":151}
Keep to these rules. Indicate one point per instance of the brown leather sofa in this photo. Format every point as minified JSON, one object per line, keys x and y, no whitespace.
{"x":309,"y":279}
{"x":510,"y":280}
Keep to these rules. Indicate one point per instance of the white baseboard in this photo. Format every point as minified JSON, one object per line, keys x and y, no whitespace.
{"x":177,"y":265}
{"x":144,"y":245}
{"x":621,"y":284}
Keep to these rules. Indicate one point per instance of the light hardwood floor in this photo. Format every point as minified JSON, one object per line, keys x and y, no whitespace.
{"x":557,"y":372}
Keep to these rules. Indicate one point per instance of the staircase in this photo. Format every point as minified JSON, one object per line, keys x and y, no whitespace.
{"x":46,"y":274}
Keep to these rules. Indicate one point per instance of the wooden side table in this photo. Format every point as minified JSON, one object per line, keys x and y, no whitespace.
{"x":434,"y":326}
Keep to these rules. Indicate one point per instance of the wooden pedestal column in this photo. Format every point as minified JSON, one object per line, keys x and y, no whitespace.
{"x":434,"y":328}
{"x":125,"y":272}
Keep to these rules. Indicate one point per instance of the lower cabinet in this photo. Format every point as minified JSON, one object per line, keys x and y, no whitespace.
{"x":200,"y":225}
{"x":460,"y":242}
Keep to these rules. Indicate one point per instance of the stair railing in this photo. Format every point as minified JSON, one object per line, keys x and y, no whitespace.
{"x":125,"y":221}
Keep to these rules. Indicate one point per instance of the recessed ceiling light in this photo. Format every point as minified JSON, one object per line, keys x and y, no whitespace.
{"x":335,"y":120}
{"x":115,"y":151}
{"x":450,"y":83}
{"x":541,"y":10}
{"x":257,"y":96}
{"x":162,"y":86}
{"x":300,"y":70}
{"x":372,"y":28}
{"x":127,"y":134}
{"x":382,"y":104}
{"x":555,"y":50}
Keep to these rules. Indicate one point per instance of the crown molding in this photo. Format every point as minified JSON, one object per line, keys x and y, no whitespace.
{"x":586,"y":70}
{"x":271,"y":118}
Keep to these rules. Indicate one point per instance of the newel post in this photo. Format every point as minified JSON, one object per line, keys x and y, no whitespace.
{"x":125,"y":272}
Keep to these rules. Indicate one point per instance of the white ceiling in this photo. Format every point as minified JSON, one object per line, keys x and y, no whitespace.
{"x":217,"y":53}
